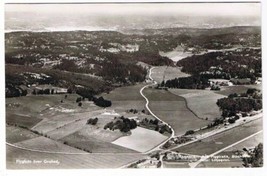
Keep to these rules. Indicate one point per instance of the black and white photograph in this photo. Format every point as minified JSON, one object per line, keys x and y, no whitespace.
{"x":133,"y":85}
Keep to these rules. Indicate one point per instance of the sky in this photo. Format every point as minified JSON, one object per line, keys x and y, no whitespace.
{"x":202,"y":9}
{"x":146,"y":15}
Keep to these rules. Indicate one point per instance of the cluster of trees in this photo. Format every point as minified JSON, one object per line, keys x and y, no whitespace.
{"x":14,"y":91}
{"x":102,"y":102}
{"x":89,"y":94}
{"x":216,"y":122}
{"x":42,"y":91}
{"x":13,"y":82}
{"x":135,"y":111}
{"x":121,"y":123}
{"x":192,"y":82}
{"x":243,"y":103}
{"x":155,"y":125}
{"x":117,"y":72}
{"x":232,"y":64}
{"x":92,"y":121}
{"x":256,"y":157}
{"x":189,"y":132}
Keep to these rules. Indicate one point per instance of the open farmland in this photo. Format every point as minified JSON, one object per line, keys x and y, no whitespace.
{"x":68,"y":161}
{"x":47,"y":105}
{"x":63,"y":125}
{"x":62,"y":120}
{"x":21,"y":120}
{"x":17,"y":134}
{"x":31,"y":105}
{"x":237,"y":89}
{"x":221,"y":140}
{"x":95,"y":139}
{"x":93,"y":144}
{"x":45,"y":144}
{"x":125,"y":98}
{"x":173,"y":110}
{"x":250,"y":143}
{"x":165,"y":73}
{"x":201,"y":102}
{"x":141,"y":139}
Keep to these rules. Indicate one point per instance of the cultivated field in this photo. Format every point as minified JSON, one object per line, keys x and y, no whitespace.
{"x":45,"y":144}
{"x":165,"y":73}
{"x":21,"y":120}
{"x":125,"y":98}
{"x":237,"y":89}
{"x":94,"y":138}
{"x":93,"y":144}
{"x":141,"y":139}
{"x":221,"y":140}
{"x":250,"y":143}
{"x":62,"y":120}
{"x":172,"y":109}
{"x":201,"y":102}
{"x":67,"y":161}
{"x":47,"y":105}
{"x":17,"y":134}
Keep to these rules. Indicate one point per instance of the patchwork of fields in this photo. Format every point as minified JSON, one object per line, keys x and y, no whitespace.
{"x":173,"y":110}
{"x":54,"y":126}
{"x":165,"y":73}
{"x":141,"y":139}
{"x":201,"y":102}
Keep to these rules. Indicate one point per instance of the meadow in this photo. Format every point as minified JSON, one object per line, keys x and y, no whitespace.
{"x":173,"y":110}
{"x":141,"y":139}
{"x":201,"y":102}
{"x":221,"y":140}
{"x":161,"y":73}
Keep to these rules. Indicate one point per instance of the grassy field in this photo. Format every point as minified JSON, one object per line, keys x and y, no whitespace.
{"x":250,"y":143}
{"x":46,"y":105}
{"x":80,"y":125}
{"x":125,"y":93}
{"x":221,"y":140}
{"x":237,"y":89}
{"x":45,"y":144}
{"x":172,"y":109}
{"x":94,"y":138}
{"x":125,"y":98}
{"x":21,"y":120}
{"x":59,"y":121}
{"x":141,"y":139}
{"x":165,"y":73}
{"x":77,"y":161}
{"x":17,"y":134}
{"x":94,"y":144}
{"x":201,"y":102}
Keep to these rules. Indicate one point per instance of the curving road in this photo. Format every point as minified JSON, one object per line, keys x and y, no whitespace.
{"x":149,"y":110}
{"x":85,"y":153}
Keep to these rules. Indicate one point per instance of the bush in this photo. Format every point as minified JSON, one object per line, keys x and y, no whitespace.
{"x":78,"y":99}
{"x":231,"y":120}
{"x":189,"y":132}
{"x":92,"y":121}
